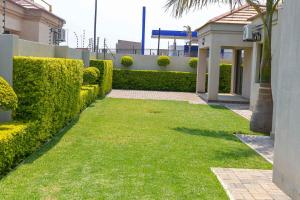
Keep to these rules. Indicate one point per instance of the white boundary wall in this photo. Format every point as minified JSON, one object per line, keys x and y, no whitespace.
{"x":150,"y":63}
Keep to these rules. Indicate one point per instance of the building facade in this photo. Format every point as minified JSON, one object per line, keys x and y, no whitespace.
{"x":226,"y":31}
{"x":30,"y":21}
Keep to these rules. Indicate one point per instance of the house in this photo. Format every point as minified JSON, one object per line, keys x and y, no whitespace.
{"x":30,"y":21}
{"x":226,"y":32}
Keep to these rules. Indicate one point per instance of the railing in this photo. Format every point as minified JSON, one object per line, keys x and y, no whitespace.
{"x":153,"y":52}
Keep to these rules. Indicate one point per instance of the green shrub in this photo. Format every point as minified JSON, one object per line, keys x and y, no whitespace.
{"x":91,"y":75}
{"x":48,"y":91}
{"x":106,"y":72}
{"x":225,"y":78}
{"x":8,"y":98}
{"x":88,"y":94}
{"x":154,"y":80}
{"x":163,"y":61}
{"x":193,"y":63}
{"x":17,"y":140}
{"x":127,"y":61}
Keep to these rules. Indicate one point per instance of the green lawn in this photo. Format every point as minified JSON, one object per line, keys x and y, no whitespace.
{"x":136,"y":149}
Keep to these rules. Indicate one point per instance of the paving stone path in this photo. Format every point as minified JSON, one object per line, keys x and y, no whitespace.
{"x":249,"y":184}
{"x":155,"y":95}
{"x":263,"y":145}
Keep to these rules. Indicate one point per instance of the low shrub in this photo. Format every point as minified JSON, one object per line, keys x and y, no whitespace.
{"x":106,"y":75}
{"x":8,"y":97}
{"x":193,"y":63}
{"x":225,"y":78}
{"x":48,"y":91}
{"x":154,"y":80}
{"x":163,"y":61}
{"x":17,"y":140}
{"x":88,"y":94}
{"x":91,"y":75}
{"x":127,"y":61}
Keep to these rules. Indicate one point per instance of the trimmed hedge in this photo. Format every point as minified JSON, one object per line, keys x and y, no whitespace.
{"x":8,"y":97}
{"x":193,"y":62}
{"x":127,"y":61}
{"x":17,"y":140}
{"x":49,"y":92}
{"x":88,"y":94}
{"x":154,"y":80}
{"x":106,"y":75}
{"x":91,"y":75}
{"x":225,"y":78}
{"x":163,"y":61}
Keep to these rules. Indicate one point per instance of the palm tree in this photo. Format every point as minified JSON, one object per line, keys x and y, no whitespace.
{"x":188,"y":29}
{"x":262,"y":115}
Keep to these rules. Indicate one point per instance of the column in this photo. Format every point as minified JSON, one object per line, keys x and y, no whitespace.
{"x":201,"y":70}
{"x":213,"y":72}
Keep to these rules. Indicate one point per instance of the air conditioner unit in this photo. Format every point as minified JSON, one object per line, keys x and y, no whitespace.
{"x":248,"y":33}
{"x":61,"y":35}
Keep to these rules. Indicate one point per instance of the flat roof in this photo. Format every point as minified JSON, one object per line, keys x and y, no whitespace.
{"x":171,"y":34}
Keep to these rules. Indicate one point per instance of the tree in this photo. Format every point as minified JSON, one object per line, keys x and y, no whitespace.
{"x":188,"y":29}
{"x":263,"y":112}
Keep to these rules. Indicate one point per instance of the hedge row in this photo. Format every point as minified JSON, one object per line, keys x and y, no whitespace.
{"x":166,"y":81}
{"x":154,"y":80}
{"x":48,"y":91}
{"x":50,"y":95}
{"x":88,"y":94}
{"x":17,"y":140}
{"x":106,"y":73}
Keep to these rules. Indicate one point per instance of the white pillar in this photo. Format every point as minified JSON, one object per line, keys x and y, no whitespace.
{"x":213,"y":72}
{"x":201,"y":70}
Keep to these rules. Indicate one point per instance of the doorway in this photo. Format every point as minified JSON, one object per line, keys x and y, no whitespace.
{"x":239,"y":72}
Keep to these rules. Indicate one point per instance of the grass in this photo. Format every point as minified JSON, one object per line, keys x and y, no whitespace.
{"x":136,"y":149}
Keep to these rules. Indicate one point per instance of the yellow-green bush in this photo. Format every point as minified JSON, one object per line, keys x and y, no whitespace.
{"x":193,"y":62}
{"x":91,"y":75}
{"x":8,"y":98}
{"x":88,"y":94}
{"x":48,"y":91}
{"x":163,"y":61}
{"x":17,"y":140}
{"x":127,"y":61}
{"x":106,"y":75}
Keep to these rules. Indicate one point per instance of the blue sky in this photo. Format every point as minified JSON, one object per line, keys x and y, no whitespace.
{"x":120,"y":19}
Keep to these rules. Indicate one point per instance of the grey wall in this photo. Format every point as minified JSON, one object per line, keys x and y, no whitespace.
{"x":150,"y":63}
{"x":287,"y":122}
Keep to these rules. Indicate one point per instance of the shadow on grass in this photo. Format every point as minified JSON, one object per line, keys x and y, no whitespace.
{"x":43,"y":148}
{"x":222,"y":153}
{"x":51,"y":143}
{"x":208,"y":133}
{"x":219,"y":107}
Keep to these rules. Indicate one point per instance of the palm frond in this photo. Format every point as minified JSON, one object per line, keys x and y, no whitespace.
{"x":179,"y":7}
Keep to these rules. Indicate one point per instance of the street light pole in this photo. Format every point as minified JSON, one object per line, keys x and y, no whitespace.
{"x":95,"y":25}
